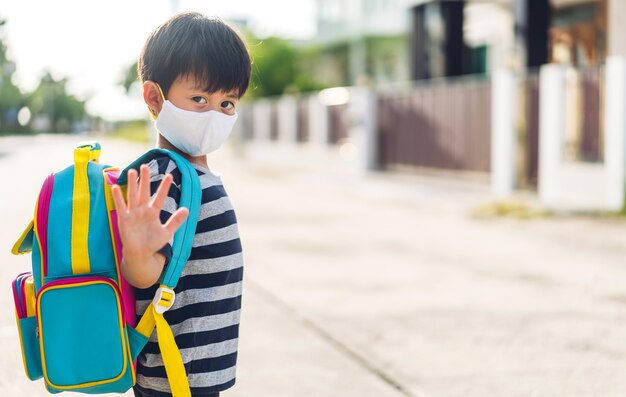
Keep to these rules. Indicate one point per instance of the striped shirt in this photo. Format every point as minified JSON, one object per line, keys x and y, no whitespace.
{"x":206,"y":311}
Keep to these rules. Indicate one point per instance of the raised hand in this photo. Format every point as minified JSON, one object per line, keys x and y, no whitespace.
{"x":140,"y":226}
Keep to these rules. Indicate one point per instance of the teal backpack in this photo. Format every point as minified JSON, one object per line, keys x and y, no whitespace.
{"x":75,"y":312}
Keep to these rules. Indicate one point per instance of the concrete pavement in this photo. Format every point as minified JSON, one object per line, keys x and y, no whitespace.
{"x":382,"y":285}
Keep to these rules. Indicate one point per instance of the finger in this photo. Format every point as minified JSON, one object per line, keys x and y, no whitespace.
{"x":161,"y":193}
{"x":132,"y":189}
{"x":118,"y":199}
{"x":176,"y":220}
{"x":144,"y":184}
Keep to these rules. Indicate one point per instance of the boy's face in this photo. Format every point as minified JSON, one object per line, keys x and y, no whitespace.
{"x":187,"y":93}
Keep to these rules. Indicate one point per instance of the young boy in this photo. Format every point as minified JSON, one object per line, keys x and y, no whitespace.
{"x":193,"y":69}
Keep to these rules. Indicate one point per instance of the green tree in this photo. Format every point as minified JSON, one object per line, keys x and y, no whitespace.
{"x":273,"y":66}
{"x":11,"y":98}
{"x":129,"y":77}
{"x":278,"y":67}
{"x":50,"y":101}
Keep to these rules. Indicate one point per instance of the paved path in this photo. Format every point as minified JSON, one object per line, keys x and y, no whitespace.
{"x":383,"y":285}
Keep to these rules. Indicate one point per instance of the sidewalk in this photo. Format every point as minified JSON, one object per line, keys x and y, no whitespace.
{"x":384,"y":285}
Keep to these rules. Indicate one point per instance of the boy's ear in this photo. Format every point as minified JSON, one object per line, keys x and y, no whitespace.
{"x":152,"y":97}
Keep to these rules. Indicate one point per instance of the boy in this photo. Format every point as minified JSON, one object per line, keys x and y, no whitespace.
{"x":194,"y":70}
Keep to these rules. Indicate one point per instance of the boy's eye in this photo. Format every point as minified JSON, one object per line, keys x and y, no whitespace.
{"x":228,"y":105}
{"x":199,"y":99}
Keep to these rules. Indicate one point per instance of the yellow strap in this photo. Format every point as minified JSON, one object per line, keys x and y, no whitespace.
{"x":146,"y":324}
{"x":172,"y":360}
{"x":29,"y":290}
{"x":80,"y":211}
{"x":94,"y":155}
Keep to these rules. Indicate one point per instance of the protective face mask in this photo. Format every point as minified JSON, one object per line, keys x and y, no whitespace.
{"x":195,"y":133}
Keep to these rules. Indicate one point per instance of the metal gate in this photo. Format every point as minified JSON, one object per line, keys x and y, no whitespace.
{"x":443,"y":125}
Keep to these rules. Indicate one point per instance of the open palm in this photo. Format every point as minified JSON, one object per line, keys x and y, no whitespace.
{"x":139,"y":221}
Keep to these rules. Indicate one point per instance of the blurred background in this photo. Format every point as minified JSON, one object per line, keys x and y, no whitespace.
{"x":429,"y":97}
{"x":430,"y":193}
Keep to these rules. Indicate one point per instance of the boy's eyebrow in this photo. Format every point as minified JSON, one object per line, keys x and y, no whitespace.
{"x":231,"y":94}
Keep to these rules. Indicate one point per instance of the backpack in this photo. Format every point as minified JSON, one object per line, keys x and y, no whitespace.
{"x":75,"y":312}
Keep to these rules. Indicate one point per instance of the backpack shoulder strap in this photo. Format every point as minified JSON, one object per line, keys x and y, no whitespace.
{"x":190,"y":198}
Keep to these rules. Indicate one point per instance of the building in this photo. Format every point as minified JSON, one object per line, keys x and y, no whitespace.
{"x":399,"y":40}
{"x":527,"y":92}
{"x":362,"y":41}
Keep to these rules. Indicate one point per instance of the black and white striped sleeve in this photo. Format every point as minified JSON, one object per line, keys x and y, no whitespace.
{"x":159,"y":167}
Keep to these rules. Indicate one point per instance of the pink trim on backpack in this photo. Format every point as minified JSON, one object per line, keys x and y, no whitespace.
{"x":20,"y":304}
{"x":43,"y":208}
{"x":128,"y":293}
{"x":23,"y":300}
{"x":112,"y":176}
{"x":17,"y":300}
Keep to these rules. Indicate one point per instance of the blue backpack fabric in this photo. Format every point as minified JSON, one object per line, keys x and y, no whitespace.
{"x":74,"y":310}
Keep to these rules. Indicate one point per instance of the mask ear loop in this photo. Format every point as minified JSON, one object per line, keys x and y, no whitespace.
{"x":153,"y":113}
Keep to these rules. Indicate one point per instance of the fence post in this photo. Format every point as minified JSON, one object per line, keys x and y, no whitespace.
{"x":614,"y":131}
{"x":504,"y":92}
{"x":363,"y":126}
{"x":287,"y":119}
{"x":318,"y":122}
{"x":261,"y":119}
{"x":552,"y":79}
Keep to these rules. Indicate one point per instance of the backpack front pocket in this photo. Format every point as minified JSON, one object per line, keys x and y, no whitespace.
{"x":83,"y":337}
{"x":24,"y":298}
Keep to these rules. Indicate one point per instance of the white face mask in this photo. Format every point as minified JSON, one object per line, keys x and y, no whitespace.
{"x":195,"y":133}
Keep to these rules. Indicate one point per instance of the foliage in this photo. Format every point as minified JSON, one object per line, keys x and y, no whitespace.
{"x":11,"y":98}
{"x":135,"y":131}
{"x":51,"y":108}
{"x":273,"y":67}
{"x":50,"y":101}
{"x":328,"y":63}
{"x":129,"y":77}
{"x":279,"y":67}
{"x":384,"y":55}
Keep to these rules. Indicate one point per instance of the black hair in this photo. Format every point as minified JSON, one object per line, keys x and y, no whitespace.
{"x":193,"y":44}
